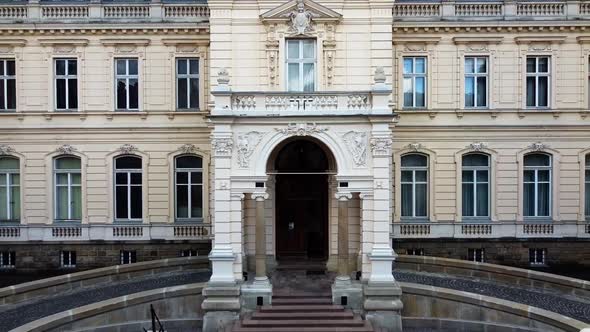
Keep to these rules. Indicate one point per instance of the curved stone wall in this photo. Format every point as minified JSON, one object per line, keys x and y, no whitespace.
{"x":67,"y":282}
{"x":497,"y":273}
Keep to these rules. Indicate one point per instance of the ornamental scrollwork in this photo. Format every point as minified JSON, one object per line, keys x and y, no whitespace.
{"x":246,"y":143}
{"x":356,"y":142}
{"x":302,"y":129}
{"x":5,"y":150}
{"x":414,"y":147}
{"x":128,"y":149}
{"x":222,"y":146}
{"x":66,"y":149}
{"x":477,"y":147}
{"x":300,"y":20}
{"x":381,"y":146}
{"x":189,"y":149}
{"x":538,"y":146}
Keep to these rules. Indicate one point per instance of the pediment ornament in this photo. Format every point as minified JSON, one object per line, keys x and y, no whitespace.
{"x":5,"y":150}
{"x":66,"y":149}
{"x":301,"y":129}
{"x":300,"y":14}
{"x":477,"y":146}
{"x":538,"y":146}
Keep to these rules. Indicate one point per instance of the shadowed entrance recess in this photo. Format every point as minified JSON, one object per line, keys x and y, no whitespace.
{"x":302,"y":169}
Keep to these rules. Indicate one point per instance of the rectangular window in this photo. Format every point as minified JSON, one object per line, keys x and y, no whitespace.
{"x":128,"y":189}
{"x":128,"y":257}
{"x":537,"y":256}
{"x":415,"y":82}
{"x":7,"y":85}
{"x":301,"y":62}
{"x":587,"y":186}
{"x":476,"y":255}
{"x":476,"y":82}
{"x":187,"y":84}
{"x":415,"y":252}
{"x":66,"y":84}
{"x":188,"y":253}
{"x":537,"y":81}
{"x":68,"y":189}
{"x":7,"y":259}
{"x":127,"y":84}
{"x":68,"y":259}
{"x":537,"y":185}
{"x":9,"y":189}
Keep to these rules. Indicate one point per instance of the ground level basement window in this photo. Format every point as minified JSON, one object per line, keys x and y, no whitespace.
{"x":476,"y":255}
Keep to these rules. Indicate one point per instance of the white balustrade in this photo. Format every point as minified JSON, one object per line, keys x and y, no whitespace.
{"x":61,"y":11}
{"x":540,"y":9}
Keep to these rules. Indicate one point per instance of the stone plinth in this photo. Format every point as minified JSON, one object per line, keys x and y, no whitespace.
{"x":221,"y":306}
{"x":383,"y":306}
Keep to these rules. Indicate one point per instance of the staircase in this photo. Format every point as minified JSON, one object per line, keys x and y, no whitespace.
{"x":303,"y":312}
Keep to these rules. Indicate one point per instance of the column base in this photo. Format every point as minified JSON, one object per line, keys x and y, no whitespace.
{"x":221,"y":306}
{"x":348,"y":291}
{"x":383,"y":306}
{"x":256,"y":293}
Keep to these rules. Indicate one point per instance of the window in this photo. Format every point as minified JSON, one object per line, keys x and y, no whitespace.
{"x":7,"y":85}
{"x":188,"y":253}
{"x":537,"y":185}
{"x":537,"y":256}
{"x":189,"y":188}
{"x":415,"y":252}
{"x":66,"y":84}
{"x":415,"y":82}
{"x":587,"y":186}
{"x":476,"y":185}
{"x":301,"y":59}
{"x":68,"y":259}
{"x":476,"y":82}
{"x":7,"y":259}
{"x":187,"y":84}
{"x":127,"y":78}
{"x":414,"y":183}
{"x":128,"y":188}
{"x":476,"y":255}
{"x":68,"y":189}
{"x":9,"y":189}
{"x":537,"y":81}
{"x":128,"y":257}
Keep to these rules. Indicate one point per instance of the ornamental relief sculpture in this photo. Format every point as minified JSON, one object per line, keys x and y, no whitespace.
{"x":357,"y":142}
{"x":300,"y":20}
{"x":66,"y":149}
{"x":301,"y":129}
{"x":5,"y":150}
{"x":222,"y":146}
{"x":246,"y":144}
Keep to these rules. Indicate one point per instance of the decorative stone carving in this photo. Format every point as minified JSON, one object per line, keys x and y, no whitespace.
{"x":477,"y":146}
{"x":187,"y":48}
{"x":125,"y":48}
{"x":414,"y":146}
{"x":539,"y":47}
{"x":477,"y":48}
{"x":189,"y":148}
{"x":300,"y":20}
{"x":5,"y":150}
{"x":223,"y":77}
{"x":302,"y":129}
{"x":357,"y":145}
{"x":66,"y":149}
{"x":64,"y":49}
{"x":6,"y":49}
{"x":272,"y":53}
{"x":128,"y":149}
{"x":329,"y":53}
{"x":381,"y":146}
{"x":380,"y":76}
{"x":222,"y":146}
{"x":246,"y":143}
{"x":538,"y":146}
{"x":415,"y":48}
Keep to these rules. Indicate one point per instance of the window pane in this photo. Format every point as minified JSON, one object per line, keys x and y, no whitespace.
{"x":67,"y":163}
{"x":193,"y":66}
{"x":482,"y":90}
{"x":9,"y":163}
{"x":529,"y":176}
{"x":133,"y":94}
{"x":293,"y":49}
{"x":73,"y":93}
{"x":309,"y":77}
{"x":482,"y":200}
{"x":11,"y":69}
{"x":587,"y":196}
{"x":468,"y":200}
{"x":537,"y":159}
{"x":61,"y":178}
{"x":60,"y":67}
{"x":135,"y":178}
{"x":414,"y":159}
{"x":196,"y":201}
{"x":482,"y":176}
{"x":15,"y":204}
{"x":530,"y":92}
{"x":182,"y":66}
{"x":529,"y":199}
{"x":189,"y":162}
{"x":543,"y":175}
{"x":408,"y":65}
{"x":293,"y":77}
{"x":3,"y":206}
{"x":308,"y":49}
{"x":543,"y":91}
{"x":60,"y":91}
{"x":76,"y":178}
{"x":482,"y":65}
{"x":2,"y":180}
{"x":132,"y":67}
{"x":128,"y":163}
{"x":136,"y":202}
{"x":420,"y":65}
{"x":121,"y":178}
{"x":121,"y":67}
{"x":121,"y":202}
{"x":121,"y":94}
{"x":61,"y":203}
{"x":421,"y":200}
{"x":469,"y":92}
{"x":2,"y":96}
{"x":14,"y":179}
{"x":11,"y":92}
{"x":182,"y":96}
{"x":420,"y":176}
{"x":407,"y":176}
{"x":531,"y":65}
{"x":196,"y":177}
{"x":420,"y":92}
{"x":72,"y":70}
{"x":588,"y":160}
{"x":543,"y":204}
{"x":469,"y":65}
{"x":76,"y":203}
{"x":543,"y":65}
{"x":182,"y":201}
{"x":407,"y":200}
{"x":467,"y":176}
{"x":475,"y":159}
{"x":182,"y":177}
{"x":194,"y":93}
{"x":408,"y":92}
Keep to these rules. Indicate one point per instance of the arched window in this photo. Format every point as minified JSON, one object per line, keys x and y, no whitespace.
{"x":9,"y":189}
{"x":414,"y":183}
{"x":128,"y":189}
{"x":537,"y":185}
{"x":587,"y":187}
{"x":476,"y":185}
{"x":68,"y":188}
{"x":188,"y":188}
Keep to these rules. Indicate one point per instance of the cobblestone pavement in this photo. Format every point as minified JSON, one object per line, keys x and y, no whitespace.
{"x":549,"y":301}
{"x":17,"y":315}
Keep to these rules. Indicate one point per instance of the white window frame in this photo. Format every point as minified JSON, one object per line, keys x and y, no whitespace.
{"x":415,"y":252}
{"x":5,"y":77}
{"x":536,"y":252}
{"x":475,"y":75}
{"x":67,"y":254}
{"x":536,"y":181}
{"x":189,"y":184}
{"x":414,"y":169}
{"x":475,"y":170}
{"x":413,"y":75}
{"x":10,"y":264}
{"x":301,"y":61}
{"x":9,"y":173}
{"x":190,"y":253}
{"x":128,"y":172}
{"x":69,"y":185}
{"x":537,"y":74}
{"x":473,"y":258}
{"x":67,"y":77}
{"x":188,"y":76}
{"x":127,"y":77}
{"x":128,"y":255}
{"x":586,"y":181}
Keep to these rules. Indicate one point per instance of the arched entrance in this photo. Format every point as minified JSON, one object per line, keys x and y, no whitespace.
{"x":302,"y":168}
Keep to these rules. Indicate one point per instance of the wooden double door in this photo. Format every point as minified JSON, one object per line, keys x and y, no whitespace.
{"x":302,"y":216}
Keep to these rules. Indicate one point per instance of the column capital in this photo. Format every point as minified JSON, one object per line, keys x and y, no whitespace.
{"x":366,"y":195}
{"x":343,"y":196}
{"x":260,"y":196}
{"x":239,"y":196}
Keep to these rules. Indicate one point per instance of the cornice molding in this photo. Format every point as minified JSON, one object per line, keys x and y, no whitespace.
{"x":478,"y":40}
{"x":488,"y":27}
{"x":114,"y":42}
{"x":400,"y":40}
{"x":185,"y":41}
{"x":283,"y":12}
{"x":13,"y":42}
{"x":69,"y":41}
{"x":540,"y":39}
{"x":583,"y":39}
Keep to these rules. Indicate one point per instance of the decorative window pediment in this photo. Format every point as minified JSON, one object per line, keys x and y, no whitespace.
{"x":300,"y":14}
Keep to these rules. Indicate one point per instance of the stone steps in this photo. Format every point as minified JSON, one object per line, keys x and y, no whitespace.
{"x":303,"y":315}
{"x":301,"y":301}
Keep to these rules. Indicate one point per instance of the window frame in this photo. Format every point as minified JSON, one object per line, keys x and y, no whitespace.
{"x":128,"y":255}
{"x":11,"y":264}
{"x":476,"y":75}
{"x":586,"y":182}
{"x":475,"y":170}
{"x":301,"y":61}
{"x":71,"y":256}
{"x":127,"y":77}
{"x":537,"y":74}
{"x":69,"y":185}
{"x":413,"y":75}
{"x":128,"y":185}
{"x":5,"y":77}
{"x":414,"y":169}
{"x":187,"y":77}
{"x":9,"y":173}
{"x":536,"y":182}
{"x":189,"y":184}
{"x":67,"y":77}
{"x":473,"y":257}
{"x":534,"y":252}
